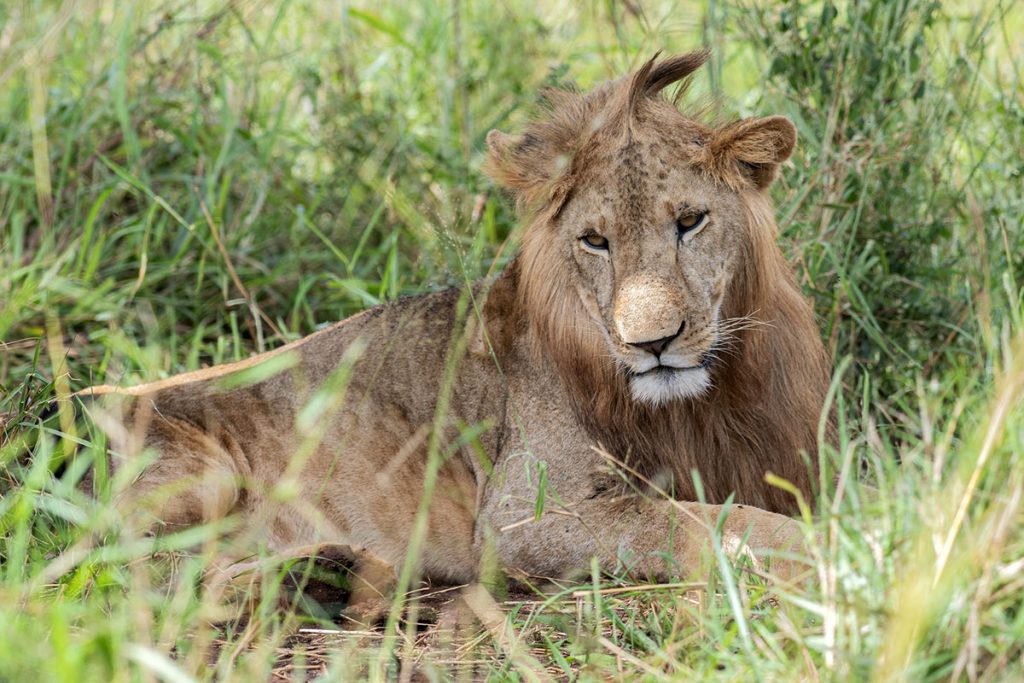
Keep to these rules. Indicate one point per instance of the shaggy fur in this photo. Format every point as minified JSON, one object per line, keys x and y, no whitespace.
{"x":674,"y":349}
{"x":768,"y":389}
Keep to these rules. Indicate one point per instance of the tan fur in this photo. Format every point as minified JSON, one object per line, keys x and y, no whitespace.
{"x":553,"y":371}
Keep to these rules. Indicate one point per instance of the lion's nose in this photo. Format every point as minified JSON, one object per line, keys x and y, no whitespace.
{"x":658,"y":345}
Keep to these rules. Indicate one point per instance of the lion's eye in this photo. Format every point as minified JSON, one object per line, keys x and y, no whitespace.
{"x":594,"y":242}
{"x":691,"y":223}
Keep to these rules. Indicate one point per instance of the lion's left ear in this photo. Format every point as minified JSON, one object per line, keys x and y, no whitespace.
{"x":754,"y":147}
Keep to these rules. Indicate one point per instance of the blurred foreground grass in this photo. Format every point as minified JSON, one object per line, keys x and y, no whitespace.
{"x":185,"y":183}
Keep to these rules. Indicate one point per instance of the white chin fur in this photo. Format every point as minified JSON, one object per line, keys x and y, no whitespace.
{"x":662,"y":386}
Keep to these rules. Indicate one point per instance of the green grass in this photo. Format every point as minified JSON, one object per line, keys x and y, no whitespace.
{"x":184,"y":183}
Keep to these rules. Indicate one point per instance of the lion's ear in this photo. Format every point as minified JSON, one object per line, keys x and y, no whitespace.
{"x":754,"y":147}
{"x":498,"y":144}
{"x":509,"y":163}
{"x":526,"y":165}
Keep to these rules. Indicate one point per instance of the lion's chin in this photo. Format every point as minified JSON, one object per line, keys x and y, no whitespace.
{"x":662,"y":385}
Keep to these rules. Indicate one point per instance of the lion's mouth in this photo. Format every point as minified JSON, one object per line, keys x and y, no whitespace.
{"x":664,"y":383}
{"x":662,"y":369}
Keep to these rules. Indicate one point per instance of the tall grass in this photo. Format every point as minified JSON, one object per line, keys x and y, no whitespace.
{"x":186,"y":183}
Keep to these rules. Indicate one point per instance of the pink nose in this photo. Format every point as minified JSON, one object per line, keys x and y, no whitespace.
{"x":648,"y":311}
{"x":658,"y":345}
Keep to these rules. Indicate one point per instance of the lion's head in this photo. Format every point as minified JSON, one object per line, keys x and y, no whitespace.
{"x":649,"y":272}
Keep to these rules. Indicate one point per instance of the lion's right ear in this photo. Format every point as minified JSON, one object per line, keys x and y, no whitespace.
{"x":526,"y":166}
{"x":502,"y":160}
{"x":498,"y":143}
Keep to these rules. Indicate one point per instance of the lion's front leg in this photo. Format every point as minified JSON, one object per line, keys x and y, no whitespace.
{"x":653,"y":539}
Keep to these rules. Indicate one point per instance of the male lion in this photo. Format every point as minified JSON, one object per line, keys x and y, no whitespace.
{"x":647,"y":331}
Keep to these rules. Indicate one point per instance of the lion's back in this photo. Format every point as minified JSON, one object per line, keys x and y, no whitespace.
{"x":397,"y":348}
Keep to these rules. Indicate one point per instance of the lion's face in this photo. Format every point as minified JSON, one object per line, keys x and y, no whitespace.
{"x":653,"y":246}
{"x":640,"y":225}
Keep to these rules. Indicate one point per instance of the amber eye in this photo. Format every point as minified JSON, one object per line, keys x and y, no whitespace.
{"x":594,"y":242}
{"x":690,"y":223}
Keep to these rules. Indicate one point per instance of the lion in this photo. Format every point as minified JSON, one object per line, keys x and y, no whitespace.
{"x":633,"y":374}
